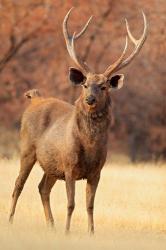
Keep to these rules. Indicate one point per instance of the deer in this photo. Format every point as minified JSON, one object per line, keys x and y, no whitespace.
{"x":70,"y":141}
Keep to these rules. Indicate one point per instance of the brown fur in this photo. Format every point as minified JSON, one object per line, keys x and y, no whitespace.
{"x":69,"y":142}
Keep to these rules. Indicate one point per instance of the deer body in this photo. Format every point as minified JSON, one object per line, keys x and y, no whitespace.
{"x":66,"y":138}
{"x":70,"y":141}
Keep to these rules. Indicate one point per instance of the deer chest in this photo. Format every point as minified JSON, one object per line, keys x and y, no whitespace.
{"x":88,"y":162}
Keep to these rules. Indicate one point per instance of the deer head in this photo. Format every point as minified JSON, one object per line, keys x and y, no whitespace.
{"x":96,"y":87}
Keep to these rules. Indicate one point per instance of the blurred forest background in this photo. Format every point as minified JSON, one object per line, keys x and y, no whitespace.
{"x":33,"y":55}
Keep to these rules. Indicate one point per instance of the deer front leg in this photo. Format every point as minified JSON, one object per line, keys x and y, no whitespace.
{"x":70,"y":189}
{"x":90,"y":196}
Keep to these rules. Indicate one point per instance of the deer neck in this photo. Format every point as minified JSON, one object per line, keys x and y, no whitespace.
{"x":92,"y":126}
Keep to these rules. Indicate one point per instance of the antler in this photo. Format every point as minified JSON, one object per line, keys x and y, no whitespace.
{"x":70,"y":43}
{"x":113,"y":66}
{"x":120,"y":63}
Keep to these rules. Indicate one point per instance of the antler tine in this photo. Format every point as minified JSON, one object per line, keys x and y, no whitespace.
{"x":120,"y":63}
{"x":113,"y":66}
{"x":84,"y":29}
{"x":70,"y":43}
{"x":129,"y":33}
{"x":137,"y":42}
{"x":73,"y":54}
{"x":65,"y":21}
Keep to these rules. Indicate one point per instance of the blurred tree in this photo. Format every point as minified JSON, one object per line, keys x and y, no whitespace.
{"x":33,"y":55}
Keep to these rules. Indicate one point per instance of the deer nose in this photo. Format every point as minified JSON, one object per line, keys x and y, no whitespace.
{"x":90,"y":100}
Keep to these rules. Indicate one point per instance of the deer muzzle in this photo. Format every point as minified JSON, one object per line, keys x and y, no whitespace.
{"x":90,"y":100}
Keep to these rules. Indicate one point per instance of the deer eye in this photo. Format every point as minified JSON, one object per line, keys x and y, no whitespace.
{"x":85,"y":86}
{"x":103,"y":88}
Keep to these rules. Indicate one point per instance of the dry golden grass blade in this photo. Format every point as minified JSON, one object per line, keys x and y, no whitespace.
{"x":130,"y":211}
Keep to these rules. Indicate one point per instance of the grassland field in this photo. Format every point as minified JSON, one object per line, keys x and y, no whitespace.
{"x":130,"y":210}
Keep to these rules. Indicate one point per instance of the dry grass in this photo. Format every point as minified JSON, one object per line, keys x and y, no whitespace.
{"x":130,"y":211}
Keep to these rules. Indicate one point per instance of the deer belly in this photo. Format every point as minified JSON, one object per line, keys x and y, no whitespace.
{"x":51,"y":163}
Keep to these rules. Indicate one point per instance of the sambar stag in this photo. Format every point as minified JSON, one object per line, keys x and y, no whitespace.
{"x":70,"y":141}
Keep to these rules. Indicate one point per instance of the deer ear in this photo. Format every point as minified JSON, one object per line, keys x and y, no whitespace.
{"x":76,"y":76}
{"x":116,"y":81}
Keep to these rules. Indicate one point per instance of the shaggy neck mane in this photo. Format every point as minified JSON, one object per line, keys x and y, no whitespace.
{"x":92,"y":125}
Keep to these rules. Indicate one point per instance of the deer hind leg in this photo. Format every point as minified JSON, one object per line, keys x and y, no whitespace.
{"x":90,"y":196}
{"x":70,"y":189}
{"x":28,"y":159}
{"x":45,"y":187}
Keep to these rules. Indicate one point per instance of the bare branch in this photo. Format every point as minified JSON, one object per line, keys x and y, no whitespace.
{"x":15,"y":45}
{"x":101,"y":55}
{"x":93,"y":36}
